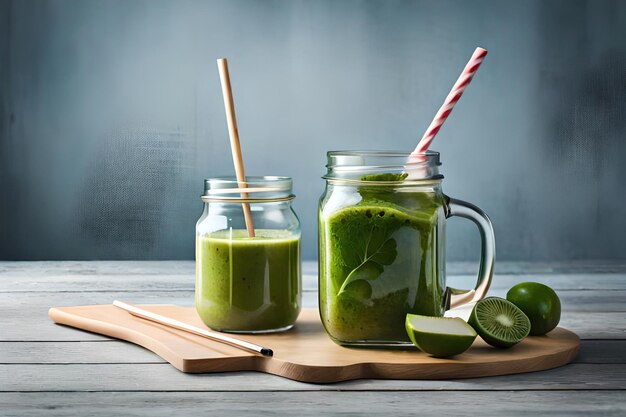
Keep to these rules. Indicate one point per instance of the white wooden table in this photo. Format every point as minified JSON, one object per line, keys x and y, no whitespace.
{"x":47,"y":369}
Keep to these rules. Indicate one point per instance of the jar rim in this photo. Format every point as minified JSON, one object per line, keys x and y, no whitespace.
{"x":378,"y":152}
{"x":268,"y":188}
{"x":355,"y":165}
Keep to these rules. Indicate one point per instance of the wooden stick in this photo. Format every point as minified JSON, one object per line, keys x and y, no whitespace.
{"x":235,"y":146}
{"x":170,"y":322}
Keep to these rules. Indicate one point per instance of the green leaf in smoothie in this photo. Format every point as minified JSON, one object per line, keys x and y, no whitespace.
{"x":368,"y":261}
{"x":366,"y":230}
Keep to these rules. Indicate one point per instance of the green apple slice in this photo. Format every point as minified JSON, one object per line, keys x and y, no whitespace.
{"x":439,"y":336}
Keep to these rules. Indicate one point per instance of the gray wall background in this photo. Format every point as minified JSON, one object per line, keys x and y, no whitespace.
{"x":111,"y":115}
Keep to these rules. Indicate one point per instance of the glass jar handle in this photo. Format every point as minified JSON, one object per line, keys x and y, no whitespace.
{"x":469,"y":211}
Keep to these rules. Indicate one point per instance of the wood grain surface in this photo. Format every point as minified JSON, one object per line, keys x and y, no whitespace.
{"x":307,"y":354}
{"x":52,"y":370}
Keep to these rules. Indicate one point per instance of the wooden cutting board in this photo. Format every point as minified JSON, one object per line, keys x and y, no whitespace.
{"x":305,"y":353}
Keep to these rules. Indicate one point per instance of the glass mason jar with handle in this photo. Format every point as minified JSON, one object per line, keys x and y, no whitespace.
{"x":244,"y":283}
{"x":382,"y":246}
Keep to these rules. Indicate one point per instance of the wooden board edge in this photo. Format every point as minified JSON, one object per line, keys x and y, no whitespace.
{"x":434,"y":371}
{"x":315,"y":374}
{"x":62,"y":317}
{"x":243,"y":363}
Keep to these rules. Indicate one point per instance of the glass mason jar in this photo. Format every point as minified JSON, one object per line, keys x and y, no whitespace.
{"x":382,"y":246}
{"x":248,"y":276}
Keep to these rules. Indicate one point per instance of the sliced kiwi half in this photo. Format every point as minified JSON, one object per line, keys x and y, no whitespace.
{"x":499,"y":322}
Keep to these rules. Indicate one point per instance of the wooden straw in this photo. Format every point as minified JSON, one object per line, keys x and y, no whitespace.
{"x":235,"y":146}
{"x":179,"y":325}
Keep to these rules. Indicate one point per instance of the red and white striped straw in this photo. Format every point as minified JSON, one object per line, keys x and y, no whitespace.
{"x":454,"y":96}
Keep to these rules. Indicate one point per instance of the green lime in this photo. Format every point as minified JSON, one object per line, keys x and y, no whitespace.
{"x":499,"y":322}
{"x":439,"y":336}
{"x":540,"y":303}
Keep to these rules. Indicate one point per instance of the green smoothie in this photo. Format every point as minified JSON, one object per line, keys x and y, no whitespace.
{"x":378,"y":262}
{"x":248,"y":284}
